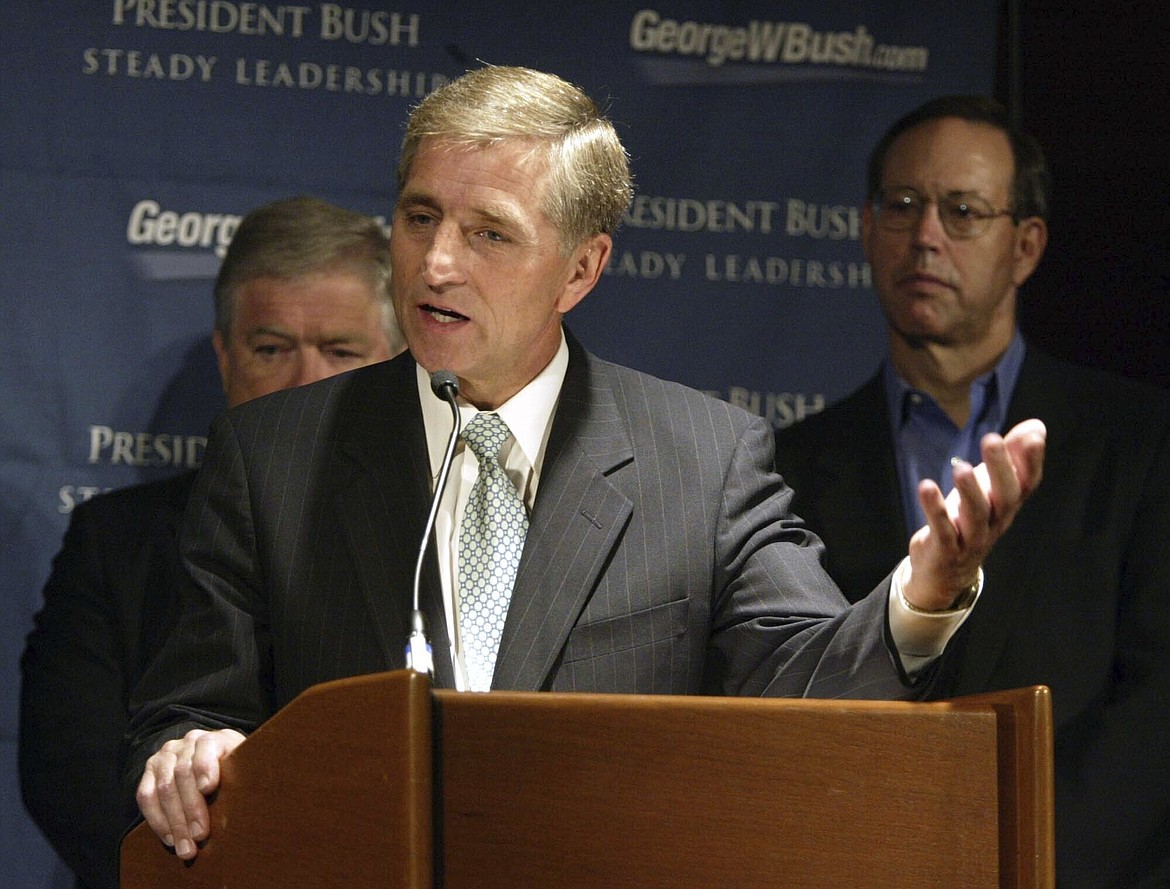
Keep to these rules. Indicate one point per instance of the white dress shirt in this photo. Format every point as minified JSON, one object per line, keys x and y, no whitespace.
{"x":529,"y":415}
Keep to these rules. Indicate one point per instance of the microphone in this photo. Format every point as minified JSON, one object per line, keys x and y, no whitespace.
{"x":445,"y":385}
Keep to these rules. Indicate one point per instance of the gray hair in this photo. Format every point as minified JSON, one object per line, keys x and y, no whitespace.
{"x":299,"y":236}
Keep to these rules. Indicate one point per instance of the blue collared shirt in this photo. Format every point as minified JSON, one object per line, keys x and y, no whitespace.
{"x":926,"y":439}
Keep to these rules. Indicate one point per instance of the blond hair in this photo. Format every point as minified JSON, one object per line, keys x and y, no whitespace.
{"x":590,"y":186}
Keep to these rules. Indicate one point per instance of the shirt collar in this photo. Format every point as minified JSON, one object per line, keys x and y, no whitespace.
{"x":528,"y":413}
{"x":1005,"y":374}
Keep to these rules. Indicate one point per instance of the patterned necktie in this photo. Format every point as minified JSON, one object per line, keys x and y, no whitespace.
{"x":490,"y":541}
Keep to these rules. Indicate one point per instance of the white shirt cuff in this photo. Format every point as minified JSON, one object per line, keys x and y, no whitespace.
{"x":920,"y":636}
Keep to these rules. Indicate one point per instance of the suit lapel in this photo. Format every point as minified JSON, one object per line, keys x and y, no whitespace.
{"x":577,"y":521}
{"x":1011,"y":564}
{"x":858,"y":484}
{"x":383,"y":495}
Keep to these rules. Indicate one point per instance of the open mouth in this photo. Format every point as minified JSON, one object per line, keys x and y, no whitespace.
{"x":443,"y":316}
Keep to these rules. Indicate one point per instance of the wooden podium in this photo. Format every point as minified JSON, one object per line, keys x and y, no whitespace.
{"x":378,"y":781}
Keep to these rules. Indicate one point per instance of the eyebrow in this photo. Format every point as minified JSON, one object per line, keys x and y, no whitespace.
{"x":415,"y":199}
{"x":504,"y":216}
{"x":329,"y":338}
{"x":952,"y":193}
{"x":267,"y":330}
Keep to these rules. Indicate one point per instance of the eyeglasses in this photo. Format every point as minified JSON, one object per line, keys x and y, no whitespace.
{"x":962,"y":216}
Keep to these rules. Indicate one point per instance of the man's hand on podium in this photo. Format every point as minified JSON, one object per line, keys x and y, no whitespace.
{"x":176,"y":780}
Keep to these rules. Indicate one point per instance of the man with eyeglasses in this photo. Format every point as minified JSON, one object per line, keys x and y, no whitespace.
{"x":1077,"y":593}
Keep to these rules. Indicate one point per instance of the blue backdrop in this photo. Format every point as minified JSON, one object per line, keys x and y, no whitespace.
{"x":135,"y":133}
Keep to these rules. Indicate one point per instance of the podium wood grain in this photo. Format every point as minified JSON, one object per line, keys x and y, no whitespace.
{"x":334,"y":790}
{"x":377,"y":781}
{"x":587,"y":791}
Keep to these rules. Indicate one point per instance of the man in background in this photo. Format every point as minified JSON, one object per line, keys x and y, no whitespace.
{"x":1077,"y":590}
{"x":302,"y":294}
{"x":603,"y":530}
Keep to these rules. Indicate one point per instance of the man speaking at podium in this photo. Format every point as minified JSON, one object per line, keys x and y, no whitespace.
{"x":602,"y":530}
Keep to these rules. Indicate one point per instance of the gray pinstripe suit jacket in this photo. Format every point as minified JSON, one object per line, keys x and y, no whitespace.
{"x":661,"y":556}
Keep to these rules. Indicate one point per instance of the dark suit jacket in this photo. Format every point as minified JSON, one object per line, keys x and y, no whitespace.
{"x":1077,"y":593}
{"x":109,"y":601}
{"x":661,"y":557}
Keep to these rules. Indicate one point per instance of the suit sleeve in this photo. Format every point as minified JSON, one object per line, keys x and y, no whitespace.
{"x":214,"y":670}
{"x":780,"y":625}
{"x":72,"y":711}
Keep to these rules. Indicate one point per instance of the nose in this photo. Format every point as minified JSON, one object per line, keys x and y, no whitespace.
{"x":928,"y":231}
{"x":311,"y":366}
{"x":442,"y":262}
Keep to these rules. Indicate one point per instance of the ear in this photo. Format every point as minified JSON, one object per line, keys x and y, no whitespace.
{"x":589,"y":260}
{"x":221,"y":357}
{"x":1031,"y":239}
